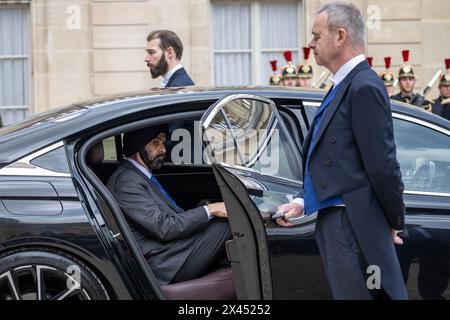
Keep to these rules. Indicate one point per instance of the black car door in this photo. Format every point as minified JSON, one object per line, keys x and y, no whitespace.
{"x":258,"y":167}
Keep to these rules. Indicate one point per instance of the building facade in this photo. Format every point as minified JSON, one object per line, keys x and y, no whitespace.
{"x":54,"y":52}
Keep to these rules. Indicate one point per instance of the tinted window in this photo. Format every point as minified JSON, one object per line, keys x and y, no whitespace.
{"x":311,"y":112}
{"x":424,"y":156}
{"x":247,"y":132}
{"x":54,"y":160}
{"x":109,"y":147}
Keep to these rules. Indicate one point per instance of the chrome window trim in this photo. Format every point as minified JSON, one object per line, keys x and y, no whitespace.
{"x":421,"y":122}
{"x":427,"y":193}
{"x":250,"y":171}
{"x":311,"y":103}
{"x":212,"y":113}
{"x":23,"y":167}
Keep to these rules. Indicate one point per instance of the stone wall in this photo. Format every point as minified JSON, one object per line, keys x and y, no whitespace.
{"x":422,"y":26}
{"x":85,"y":48}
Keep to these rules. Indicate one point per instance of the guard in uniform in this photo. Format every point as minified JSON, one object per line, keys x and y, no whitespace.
{"x":305,"y":71}
{"x":275,"y":78}
{"x":370,"y":61}
{"x":441,"y":105}
{"x":289,"y":77}
{"x":407,"y":81}
{"x":387,"y":76}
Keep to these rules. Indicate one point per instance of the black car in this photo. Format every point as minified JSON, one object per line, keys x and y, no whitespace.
{"x":63,"y":236}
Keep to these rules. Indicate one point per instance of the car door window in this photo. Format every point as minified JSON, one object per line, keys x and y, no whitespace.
{"x":247,"y":131}
{"x":294,"y":121}
{"x":311,"y":108}
{"x":424,"y":156}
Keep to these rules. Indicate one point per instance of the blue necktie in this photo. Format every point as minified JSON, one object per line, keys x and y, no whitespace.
{"x":160,"y":187}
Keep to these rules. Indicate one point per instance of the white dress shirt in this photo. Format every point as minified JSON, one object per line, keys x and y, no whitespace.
{"x":149,"y":175}
{"x":169,"y":74}
{"x":337,"y":78}
{"x":346,"y":69}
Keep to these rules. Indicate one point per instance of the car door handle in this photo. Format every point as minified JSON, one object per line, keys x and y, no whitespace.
{"x":404,"y":234}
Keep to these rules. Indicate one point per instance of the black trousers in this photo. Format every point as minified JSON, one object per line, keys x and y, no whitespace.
{"x":208,"y":251}
{"x":343,"y":261}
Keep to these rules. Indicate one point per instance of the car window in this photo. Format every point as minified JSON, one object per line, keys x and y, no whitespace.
{"x":247,"y":132}
{"x":424,"y":156}
{"x":109,"y":147}
{"x":293,"y":121}
{"x":54,"y":160}
{"x":310,"y":110}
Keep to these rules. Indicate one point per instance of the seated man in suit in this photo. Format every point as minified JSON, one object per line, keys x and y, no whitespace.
{"x":178,"y":245}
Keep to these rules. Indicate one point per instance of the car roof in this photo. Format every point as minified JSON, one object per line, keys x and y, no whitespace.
{"x":157,"y":92}
{"x":46,"y":128}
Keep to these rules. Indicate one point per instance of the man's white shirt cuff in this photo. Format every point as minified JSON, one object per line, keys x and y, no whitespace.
{"x":207,"y":212}
{"x":299,"y":201}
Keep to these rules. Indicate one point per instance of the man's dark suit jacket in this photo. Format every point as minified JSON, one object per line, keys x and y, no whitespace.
{"x":162,"y":231}
{"x":355,"y":157}
{"x":180,"y":78}
{"x":441,"y":110}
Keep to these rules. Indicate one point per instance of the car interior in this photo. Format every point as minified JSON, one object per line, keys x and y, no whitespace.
{"x":218,"y":284}
{"x":104,"y":157}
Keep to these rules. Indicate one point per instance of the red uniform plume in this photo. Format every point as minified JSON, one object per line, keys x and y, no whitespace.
{"x":288,"y":56}
{"x":447,"y":64}
{"x":306,"y":51}
{"x":370,"y":60}
{"x":387,"y":62}
{"x":274,"y":65}
{"x":405,"y":54}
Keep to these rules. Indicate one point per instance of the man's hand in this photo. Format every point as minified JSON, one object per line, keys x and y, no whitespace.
{"x":290,"y":210}
{"x":218,"y":210}
{"x":395,"y":237}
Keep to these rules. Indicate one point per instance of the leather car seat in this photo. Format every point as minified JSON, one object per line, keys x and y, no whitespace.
{"x":423,"y":175}
{"x":94,"y":159}
{"x":217,"y":285}
{"x":95,"y":155}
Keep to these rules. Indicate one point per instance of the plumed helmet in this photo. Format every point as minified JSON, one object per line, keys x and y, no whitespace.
{"x":304,"y":69}
{"x":275,"y":78}
{"x":406,"y":69}
{"x":445,"y":78}
{"x":288,"y":71}
{"x":387,"y":76}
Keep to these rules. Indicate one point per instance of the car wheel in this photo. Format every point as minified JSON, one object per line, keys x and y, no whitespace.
{"x":31,"y":274}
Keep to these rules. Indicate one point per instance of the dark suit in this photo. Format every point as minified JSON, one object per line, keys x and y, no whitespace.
{"x":178,"y":245}
{"x":354,"y":156}
{"x":426,"y":104}
{"x":441,"y":107}
{"x":180,"y":78}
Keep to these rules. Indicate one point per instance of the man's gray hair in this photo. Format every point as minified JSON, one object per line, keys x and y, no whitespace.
{"x":346,"y":15}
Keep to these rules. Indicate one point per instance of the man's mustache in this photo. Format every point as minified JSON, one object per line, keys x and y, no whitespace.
{"x":161,"y":155}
